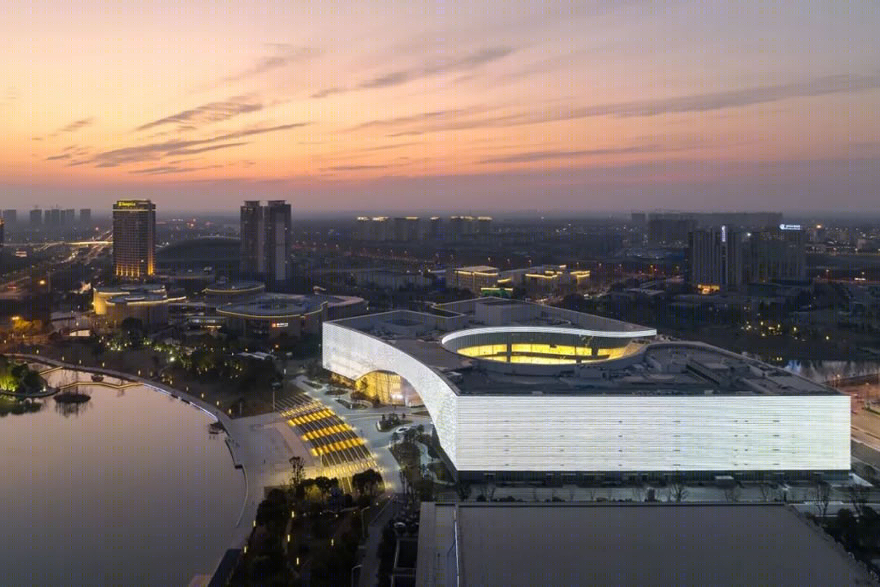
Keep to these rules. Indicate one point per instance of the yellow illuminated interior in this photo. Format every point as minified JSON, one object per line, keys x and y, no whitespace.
{"x":541,"y":353}
{"x":383,"y":386}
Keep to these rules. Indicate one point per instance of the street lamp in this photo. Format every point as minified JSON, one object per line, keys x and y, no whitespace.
{"x":352,"y":572}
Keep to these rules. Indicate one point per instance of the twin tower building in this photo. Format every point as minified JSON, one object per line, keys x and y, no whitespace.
{"x":265,"y":241}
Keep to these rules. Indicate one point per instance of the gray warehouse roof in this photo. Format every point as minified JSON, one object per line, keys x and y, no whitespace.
{"x":638,"y":544}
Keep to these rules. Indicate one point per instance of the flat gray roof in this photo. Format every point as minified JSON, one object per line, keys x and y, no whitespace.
{"x":656,"y":368}
{"x":637,"y":544}
{"x":280,"y":304}
{"x":234,"y":286}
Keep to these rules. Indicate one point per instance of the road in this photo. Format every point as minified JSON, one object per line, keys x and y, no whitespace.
{"x":369,"y":575}
{"x":71,"y":253}
{"x":866,"y":425}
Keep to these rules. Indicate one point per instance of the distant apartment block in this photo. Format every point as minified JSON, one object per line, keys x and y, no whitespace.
{"x":266,"y":242}
{"x":673,"y":228}
{"x":778,"y":254}
{"x":670,"y":229}
{"x":468,"y":226}
{"x":52,"y":217}
{"x":398,"y":229}
{"x":723,"y":258}
{"x":715,"y":259}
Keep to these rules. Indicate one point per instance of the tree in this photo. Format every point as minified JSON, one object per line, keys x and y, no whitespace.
{"x":313,"y":369}
{"x":134,"y":330}
{"x":325,"y":484}
{"x":98,"y":348}
{"x":858,"y":497}
{"x":638,"y":493}
{"x":366,"y":482}
{"x":409,"y":435}
{"x":823,"y":496}
{"x":768,"y":492}
{"x":677,"y":491}
{"x":297,"y":471}
{"x":733,"y":493}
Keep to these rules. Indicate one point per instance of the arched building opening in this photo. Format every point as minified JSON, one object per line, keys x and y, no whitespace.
{"x":388,"y":388}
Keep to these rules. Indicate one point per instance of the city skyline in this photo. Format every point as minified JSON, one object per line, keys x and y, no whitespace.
{"x":587,"y":107}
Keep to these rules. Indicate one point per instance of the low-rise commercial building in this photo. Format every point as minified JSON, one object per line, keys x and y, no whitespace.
{"x":148,"y":303}
{"x":232,"y":292}
{"x":272,"y":316}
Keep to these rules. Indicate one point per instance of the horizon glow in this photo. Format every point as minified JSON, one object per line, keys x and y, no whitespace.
{"x":343,"y":105}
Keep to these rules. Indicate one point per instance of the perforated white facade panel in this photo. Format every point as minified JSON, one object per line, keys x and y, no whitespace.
{"x":610,"y":433}
{"x":351,"y":353}
{"x":637,"y":433}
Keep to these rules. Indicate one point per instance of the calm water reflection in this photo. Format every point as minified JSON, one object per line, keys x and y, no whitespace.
{"x":129,"y":489}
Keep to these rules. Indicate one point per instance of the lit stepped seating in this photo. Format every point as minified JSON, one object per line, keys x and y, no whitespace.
{"x":328,"y":436}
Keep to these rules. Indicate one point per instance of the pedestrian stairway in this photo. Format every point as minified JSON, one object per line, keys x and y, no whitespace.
{"x":330,"y":438}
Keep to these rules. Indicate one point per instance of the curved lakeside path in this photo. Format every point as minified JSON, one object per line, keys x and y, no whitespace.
{"x":261,"y":446}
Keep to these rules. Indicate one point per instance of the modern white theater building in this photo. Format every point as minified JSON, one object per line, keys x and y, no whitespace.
{"x":522,"y":391}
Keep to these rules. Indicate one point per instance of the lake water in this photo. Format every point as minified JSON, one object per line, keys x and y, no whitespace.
{"x":131,"y":490}
{"x":822,"y":371}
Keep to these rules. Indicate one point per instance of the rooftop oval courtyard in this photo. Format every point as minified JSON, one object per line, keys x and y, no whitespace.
{"x":544,"y":345}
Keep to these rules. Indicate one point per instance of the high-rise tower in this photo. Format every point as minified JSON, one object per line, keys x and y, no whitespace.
{"x":265,"y":242}
{"x":134,"y":239}
{"x":253,"y":228}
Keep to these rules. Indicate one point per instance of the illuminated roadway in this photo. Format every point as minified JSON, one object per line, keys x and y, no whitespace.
{"x":18,"y":278}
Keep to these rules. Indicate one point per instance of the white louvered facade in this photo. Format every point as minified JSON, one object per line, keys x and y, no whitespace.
{"x":610,"y":433}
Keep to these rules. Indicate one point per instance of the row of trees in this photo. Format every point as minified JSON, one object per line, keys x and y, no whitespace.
{"x":366,"y":483}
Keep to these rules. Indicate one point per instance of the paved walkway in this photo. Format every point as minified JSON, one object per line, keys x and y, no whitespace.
{"x":370,"y":563}
{"x":364,"y":422}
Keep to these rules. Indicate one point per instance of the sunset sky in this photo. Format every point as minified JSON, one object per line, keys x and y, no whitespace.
{"x":449,"y":106}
